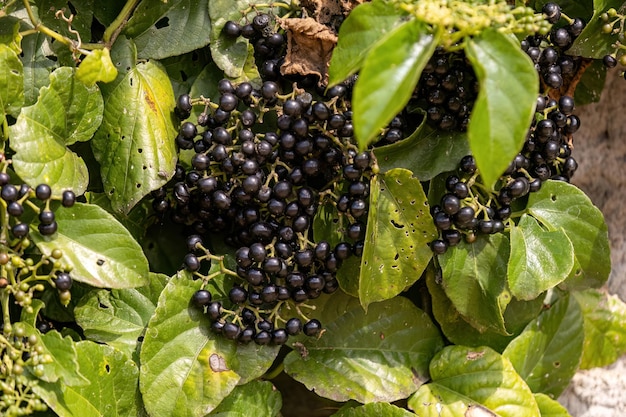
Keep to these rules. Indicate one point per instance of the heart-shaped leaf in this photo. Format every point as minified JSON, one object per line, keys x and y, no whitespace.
{"x":473,"y":381}
{"x":66,"y":112}
{"x":540,"y":259}
{"x":373,"y":356}
{"x":547,"y":353}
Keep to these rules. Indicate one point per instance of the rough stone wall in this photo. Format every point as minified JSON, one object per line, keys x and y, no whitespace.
{"x":600,"y":149}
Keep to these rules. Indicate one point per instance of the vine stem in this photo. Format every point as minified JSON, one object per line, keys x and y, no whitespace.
{"x":115,"y":28}
{"x":40,"y":27}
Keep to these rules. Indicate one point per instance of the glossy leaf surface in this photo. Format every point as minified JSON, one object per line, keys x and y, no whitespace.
{"x":390,"y":73}
{"x":364,"y":26}
{"x":505,"y":104}
{"x":473,"y":381}
{"x":101,"y":252}
{"x":558,"y":205}
{"x":256,"y":398}
{"x":11,"y":82}
{"x":550,"y":407}
{"x":374,"y":409}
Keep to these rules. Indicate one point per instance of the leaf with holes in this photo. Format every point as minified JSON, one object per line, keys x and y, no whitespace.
{"x":605,"y":328}
{"x":399,"y":229}
{"x":378,"y":355}
{"x":539,"y":260}
{"x":505,"y":105}
{"x":473,"y":382}
{"x":100,"y":251}
{"x":559,"y":205}
{"x":161,"y":29}
{"x":66,"y":112}
{"x":474,"y":279}
{"x":547,"y":353}
{"x":135,"y":143}
{"x":119,"y":317}
{"x":593,"y":42}
{"x":111,"y":392}
{"x":186,"y":370}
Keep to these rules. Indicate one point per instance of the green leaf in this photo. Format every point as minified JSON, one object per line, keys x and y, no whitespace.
{"x":593,"y":42}
{"x":539,"y":259}
{"x":547,"y":353}
{"x":135,"y":144}
{"x":64,"y":365}
{"x":96,"y":66}
{"x":10,"y":33}
{"x":505,"y":105}
{"x":184,"y":69}
{"x":474,"y":278}
{"x":399,"y":230}
{"x":427,"y":152}
{"x":374,"y":409}
{"x":37,"y":66}
{"x":66,"y":112}
{"x":373,"y":356}
{"x":111,"y":392}
{"x":559,"y":205}
{"x":230,"y":55}
{"x":460,"y":332}
{"x":166,"y":28}
{"x":605,"y":328}
{"x":389,"y":75}
{"x":119,"y":317}
{"x":256,"y":398}
{"x":473,"y":381}
{"x":100,"y":251}
{"x":186,"y":369}
{"x":81,"y":12}
{"x":11,"y":82}
{"x":549,"y":407}
{"x":328,"y":225}
{"x":365,"y":25}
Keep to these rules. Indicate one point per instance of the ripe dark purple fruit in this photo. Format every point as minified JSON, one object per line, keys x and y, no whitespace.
{"x":312,"y":327}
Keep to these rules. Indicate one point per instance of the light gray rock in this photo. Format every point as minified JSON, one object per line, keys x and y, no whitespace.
{"x":600,"y":149}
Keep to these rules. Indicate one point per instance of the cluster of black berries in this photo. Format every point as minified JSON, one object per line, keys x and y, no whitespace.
{"x":446,"y":91}
{"x":263,"y":163}
{"x":548,"y":52}
{"x":466,"y":210}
